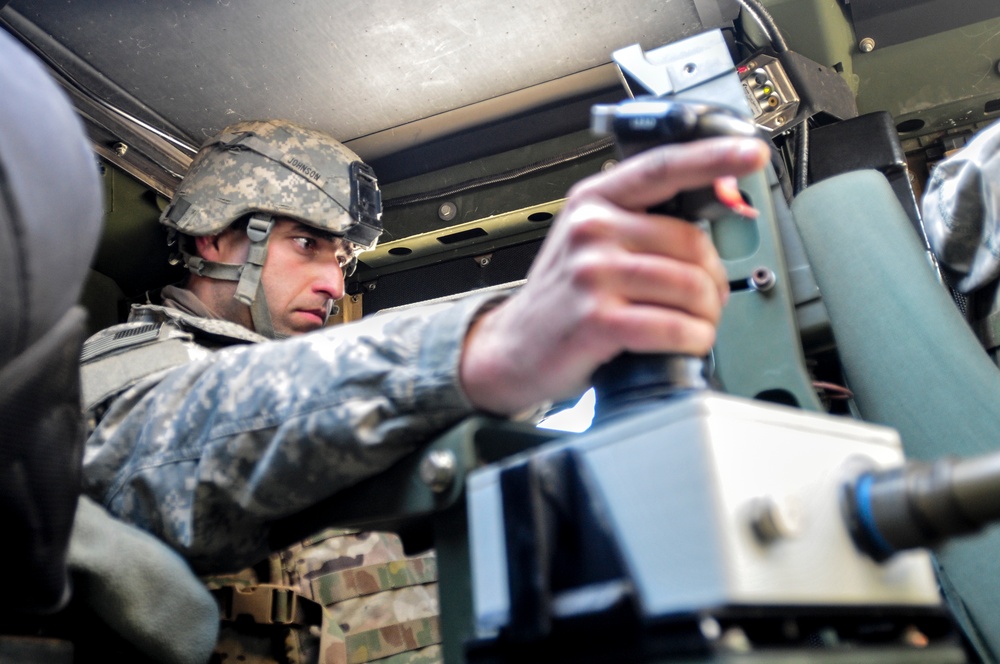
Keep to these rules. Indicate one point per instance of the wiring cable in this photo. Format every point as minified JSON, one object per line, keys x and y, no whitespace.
{"x":801,"y":157}
{"x":763,"y":18}
{"x":506,"y":176}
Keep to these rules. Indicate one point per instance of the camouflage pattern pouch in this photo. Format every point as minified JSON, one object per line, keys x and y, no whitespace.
{"x":340,"y":597}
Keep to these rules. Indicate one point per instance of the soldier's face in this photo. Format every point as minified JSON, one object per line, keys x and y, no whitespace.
{"x":303,"y":276}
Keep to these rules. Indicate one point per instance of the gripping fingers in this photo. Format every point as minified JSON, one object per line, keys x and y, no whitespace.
{"x":653,"y":280}
{"x":686,"y":242}
{"x":651,"y":329}
{"x":620,"y":236}
{"x":659,"y":174}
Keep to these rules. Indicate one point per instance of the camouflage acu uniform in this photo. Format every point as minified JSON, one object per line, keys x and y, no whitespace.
{"x":206,"y":454}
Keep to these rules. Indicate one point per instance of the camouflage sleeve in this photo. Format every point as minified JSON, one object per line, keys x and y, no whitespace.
{"x":206,"y":454}
{"x":961,"y":211}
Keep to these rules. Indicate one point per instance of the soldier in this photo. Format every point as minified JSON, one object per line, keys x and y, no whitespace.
{"x":204,"y":434}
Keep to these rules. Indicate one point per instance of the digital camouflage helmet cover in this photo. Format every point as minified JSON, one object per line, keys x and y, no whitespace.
{"x":266,"y":169}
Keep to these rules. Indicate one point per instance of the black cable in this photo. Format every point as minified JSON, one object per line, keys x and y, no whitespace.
{"x":506,"y":176}
{"x":766,"y":22}
{"x":801,"y":157}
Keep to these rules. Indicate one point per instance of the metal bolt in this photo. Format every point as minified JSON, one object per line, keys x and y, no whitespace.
{"x":437,"y":469}
{"x":710,"y":628}
{"x":120,"y":149}
{"x":772,"y":519}
{"x":790,"y":630}
{"x":867,"y":45}
{"x":447,"y":211}
{"x":736,"y":640}
{"x":354,"y":298}
{"x":762,"y":279}
{"x":370,"y":286}
{"x":484,"y":260}
{"x":609,"y":164}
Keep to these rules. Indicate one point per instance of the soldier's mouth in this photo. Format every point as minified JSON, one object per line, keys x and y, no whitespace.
{"x":317,"y":316}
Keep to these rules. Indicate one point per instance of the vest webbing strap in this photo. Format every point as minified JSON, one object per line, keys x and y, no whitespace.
{"x":358,"y":581}
{"x":282,"y":607}
{"x":386,"y":641}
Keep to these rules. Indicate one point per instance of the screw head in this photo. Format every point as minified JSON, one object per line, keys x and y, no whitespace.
{"x":773,"y":518}
{"x":867,"y":45}
{"x":447,"y":211}
{"x":437,"y":469}
{"x":120,"y":149}
{"x":762,"y":279}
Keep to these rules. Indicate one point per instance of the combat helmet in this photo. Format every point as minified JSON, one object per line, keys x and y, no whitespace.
{"x":266,"y":169}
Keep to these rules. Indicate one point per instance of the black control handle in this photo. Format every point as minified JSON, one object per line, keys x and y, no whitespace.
{"x":632,"y":380}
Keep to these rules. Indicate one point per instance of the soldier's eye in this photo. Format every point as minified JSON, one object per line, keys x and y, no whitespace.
{"x":306,"y":243}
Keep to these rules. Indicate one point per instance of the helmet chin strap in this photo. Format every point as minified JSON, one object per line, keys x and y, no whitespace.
{"x":261,"y":315}
{"x":250,"y":290}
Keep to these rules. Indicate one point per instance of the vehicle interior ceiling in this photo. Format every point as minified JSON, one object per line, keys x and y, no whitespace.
{"x":476,"y":119}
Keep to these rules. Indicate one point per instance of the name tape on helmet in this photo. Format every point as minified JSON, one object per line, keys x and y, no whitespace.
{"x":251,"y":141}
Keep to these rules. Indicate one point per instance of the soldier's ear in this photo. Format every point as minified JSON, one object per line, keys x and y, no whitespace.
{"x":207,"y":247}
{"x":229,"y":246}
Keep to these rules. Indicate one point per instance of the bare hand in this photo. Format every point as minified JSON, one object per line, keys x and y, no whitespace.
{"x":609,"y":277}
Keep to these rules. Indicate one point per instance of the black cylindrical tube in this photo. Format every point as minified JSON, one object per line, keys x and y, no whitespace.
{"x":923,"y":504}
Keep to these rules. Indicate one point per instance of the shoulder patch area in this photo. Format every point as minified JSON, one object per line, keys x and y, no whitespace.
{"x":119,"y":337}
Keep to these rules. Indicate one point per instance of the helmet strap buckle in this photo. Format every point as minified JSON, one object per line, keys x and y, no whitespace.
{"x":259,"y":228}
{"x":259,"y":232}
{"x":196,"y":264}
